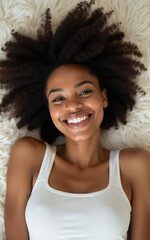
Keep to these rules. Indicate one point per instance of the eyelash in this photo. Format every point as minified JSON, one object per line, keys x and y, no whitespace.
{"x":56,"y":100}
{"x":86,"y":91}
{"x":59,"y":99}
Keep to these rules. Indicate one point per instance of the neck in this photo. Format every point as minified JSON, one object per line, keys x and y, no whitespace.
{"x":84,"y":154}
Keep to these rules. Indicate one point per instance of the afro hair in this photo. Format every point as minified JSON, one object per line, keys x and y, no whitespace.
{"x":83,"y":37}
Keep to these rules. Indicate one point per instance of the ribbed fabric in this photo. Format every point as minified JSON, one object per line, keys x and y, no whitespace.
{"x":56,"y":215}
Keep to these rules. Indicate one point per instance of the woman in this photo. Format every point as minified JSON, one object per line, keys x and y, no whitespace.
{"x":71,"y":83}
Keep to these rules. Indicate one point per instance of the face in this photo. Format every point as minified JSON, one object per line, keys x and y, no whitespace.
{"x":75,"y":101}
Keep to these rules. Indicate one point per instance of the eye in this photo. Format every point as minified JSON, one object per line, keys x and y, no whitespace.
{"x":59,"y":99}
{"x":86,"y":92}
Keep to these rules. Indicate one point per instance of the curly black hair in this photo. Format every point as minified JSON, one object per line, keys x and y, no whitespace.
{"x":83,"y":37}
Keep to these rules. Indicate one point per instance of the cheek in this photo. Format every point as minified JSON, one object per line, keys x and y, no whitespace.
{"x":96,"y":103}
{"x":55,"y":114}
{"x":97,"y":106}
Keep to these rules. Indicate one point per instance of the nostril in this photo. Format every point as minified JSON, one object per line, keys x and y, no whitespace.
{"x":74,"y":105}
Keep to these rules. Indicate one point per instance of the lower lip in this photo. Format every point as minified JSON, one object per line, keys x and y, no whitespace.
{"x":79,"y":124}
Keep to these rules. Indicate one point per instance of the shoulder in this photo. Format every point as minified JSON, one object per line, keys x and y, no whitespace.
{"x":135,"y":157}
{"x":25,"y":155}
{"x":136,"y":165}
{"x":27,"y":142}
{"x":135,"y":162}
{"x":28,"y":151}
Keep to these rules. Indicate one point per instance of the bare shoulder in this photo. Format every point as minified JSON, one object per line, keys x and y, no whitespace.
{"x":136,"y":165}
{"x":33,"y":150}
{"x":26,"y":153}
{"x":27,"y":142}
{"x":135,"y":155}
{"x":135,"y":162}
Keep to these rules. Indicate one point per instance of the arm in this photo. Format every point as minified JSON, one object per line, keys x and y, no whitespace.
{"x":140,"y":181}
{"x":19,"y":185}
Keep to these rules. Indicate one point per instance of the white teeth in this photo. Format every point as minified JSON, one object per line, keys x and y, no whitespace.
{"x":76,"y":120}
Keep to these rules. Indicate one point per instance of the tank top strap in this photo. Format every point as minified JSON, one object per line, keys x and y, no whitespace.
{"x":115,"y":168}
{"x":47,"y":162}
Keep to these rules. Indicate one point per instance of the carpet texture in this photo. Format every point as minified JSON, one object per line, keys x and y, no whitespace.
{"x":24,"y":16}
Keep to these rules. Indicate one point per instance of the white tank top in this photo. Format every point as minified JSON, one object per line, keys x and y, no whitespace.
{"x":56,"y":215}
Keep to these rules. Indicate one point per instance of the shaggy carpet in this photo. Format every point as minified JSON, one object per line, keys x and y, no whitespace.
{"x":25,"y":15}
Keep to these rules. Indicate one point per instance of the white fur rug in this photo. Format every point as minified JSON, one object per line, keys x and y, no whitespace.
{"x":25,"y":15}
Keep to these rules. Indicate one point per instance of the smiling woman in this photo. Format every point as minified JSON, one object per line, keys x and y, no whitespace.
{"x":71,"y":97}
{"x":73,"y":83}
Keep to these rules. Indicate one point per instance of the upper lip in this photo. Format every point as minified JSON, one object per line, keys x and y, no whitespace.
{"x":76,"y":115}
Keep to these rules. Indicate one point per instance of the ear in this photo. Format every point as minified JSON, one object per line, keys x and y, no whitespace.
{"x":104,"y":98}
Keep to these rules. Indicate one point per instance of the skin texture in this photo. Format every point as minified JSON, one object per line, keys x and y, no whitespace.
{"x":27,"y":155}
{"x":74,"y":101}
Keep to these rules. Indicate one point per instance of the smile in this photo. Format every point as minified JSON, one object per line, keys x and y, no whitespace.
{"x":78,"y":122}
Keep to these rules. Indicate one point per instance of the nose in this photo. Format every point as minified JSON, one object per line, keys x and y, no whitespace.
{"x":73,"y":105}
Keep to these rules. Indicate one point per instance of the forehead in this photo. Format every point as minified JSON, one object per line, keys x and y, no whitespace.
{"x":70,"y":73}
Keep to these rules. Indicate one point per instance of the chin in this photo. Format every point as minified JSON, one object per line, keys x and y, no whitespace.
{"x":79,"y":137}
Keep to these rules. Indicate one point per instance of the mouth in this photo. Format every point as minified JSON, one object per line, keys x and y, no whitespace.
{"x":77,"y":121}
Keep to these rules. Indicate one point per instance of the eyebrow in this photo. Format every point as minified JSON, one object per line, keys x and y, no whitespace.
{"x":76,"y":86}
